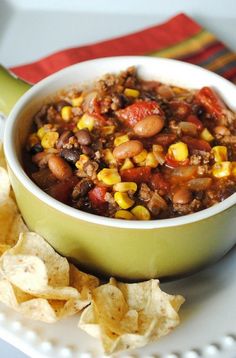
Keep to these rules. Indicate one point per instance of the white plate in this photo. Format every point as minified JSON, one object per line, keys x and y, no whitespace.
{"x":208,"y":327}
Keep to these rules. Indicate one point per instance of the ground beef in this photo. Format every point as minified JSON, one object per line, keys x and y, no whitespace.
{"x":183,"y":209}
{"x":90,"y":168}
{"x":156,"y":204}
{"x":145,"y":192}
{"x":200,"y":158}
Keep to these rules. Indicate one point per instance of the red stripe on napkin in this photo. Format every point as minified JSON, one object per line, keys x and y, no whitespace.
{"x":176,"y":30}
{"x":180,"y":37}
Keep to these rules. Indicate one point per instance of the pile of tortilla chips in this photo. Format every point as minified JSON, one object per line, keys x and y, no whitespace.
{"x":42,"y":285}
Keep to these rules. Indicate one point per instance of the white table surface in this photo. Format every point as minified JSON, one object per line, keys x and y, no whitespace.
{"x":26,"y":32}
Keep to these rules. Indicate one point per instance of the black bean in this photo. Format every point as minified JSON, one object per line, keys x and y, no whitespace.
{"x":63,"y":139}
{"x":70,"y":155}
{"x":82,"y":188}
{"x":198,"y":109}
{"x":37,"y":148}
{"x":97,"y":145}
{"x":87,"y":150}
{"x":83,"y":137}
{"x":123,"y":101}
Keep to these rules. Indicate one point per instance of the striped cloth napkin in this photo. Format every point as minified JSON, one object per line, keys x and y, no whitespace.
{"x":180,"y":38}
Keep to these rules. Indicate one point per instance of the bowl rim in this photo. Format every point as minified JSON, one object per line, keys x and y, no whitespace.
{"x":29,"y":185}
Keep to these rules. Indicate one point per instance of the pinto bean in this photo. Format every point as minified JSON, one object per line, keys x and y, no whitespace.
{"x":128,"y":149}
{"x":41,"y":159}
{"x":222,"y":130}
{"x":182,"y":196}
{"x":165,"y":92}
{"x":59,"y":167}
{"x":83,"y":137}
{"x":149,"y":126}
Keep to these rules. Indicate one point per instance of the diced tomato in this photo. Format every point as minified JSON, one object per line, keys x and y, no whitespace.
{"x":195,"y":120}
{"x":172,"y":163}
{"x":62,"y":190}
{"x":180,"y":109}
{"x":138,"y":111}
{"x":165,"y":139}
{"x":92,"y":106}
{"x":210,"y":101}
{"x":138,"y":175}
{"x":195,"y":143}
{"x":97,"y":196}
{"x":158,"y":182}
{"x":101,"y":120}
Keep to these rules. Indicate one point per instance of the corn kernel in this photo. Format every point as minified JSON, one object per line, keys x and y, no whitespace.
{"x":82,"y":160}
{"x":157,"y":148}
{"x":128,"y":164}
{"x":140,"y":157}
{"x":33,"y":139}
{"x":106,"y":130}
{"x":178,"y":90}
{"x":109,"y":157}
{"x":124,"y":214}
{"x":40,"y":132}
{"x":109,"y":176}
{"x":86,"y":121}
{"x":233,"y":169}
{"x":142,"y":164}
{"x":125,"y":186}
{"x":221,"y":170}
{"x":220,"y":153}
{"x":77,"y":101}
{"x":130,"y":92}
{"x":121,"y":139}
{"x":141,"y":213}
{"x":49,"y":139}
{"x":123,"y":200}
{"x":178,"y":151}
{"x":66,"y":113}
{"x":151,"y":160}
{"x":206,"y":135}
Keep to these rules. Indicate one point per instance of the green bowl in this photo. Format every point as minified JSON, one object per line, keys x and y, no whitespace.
{"x":131,"y":250}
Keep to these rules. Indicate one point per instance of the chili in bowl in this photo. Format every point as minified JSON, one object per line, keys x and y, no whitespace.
{"x":135,"y":149}
{"x":151,"y":142}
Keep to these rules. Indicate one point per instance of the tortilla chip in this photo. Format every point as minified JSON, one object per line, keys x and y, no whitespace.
{"x":34,"y":269}
{"x":39,"y":309}
{"x":18,"y":226}
{"x":57,"y":267}
{"x":5,"y":186}
{"x":83,"y":282}
{"x":11,"y":223}
{"x":127,"y":316}
{"x":4,"y":248}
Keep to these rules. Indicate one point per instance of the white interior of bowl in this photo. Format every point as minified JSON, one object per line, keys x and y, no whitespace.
{"x":164,"y":70}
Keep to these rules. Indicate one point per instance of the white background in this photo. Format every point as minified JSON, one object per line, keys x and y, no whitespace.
{"x":30,"y":29}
